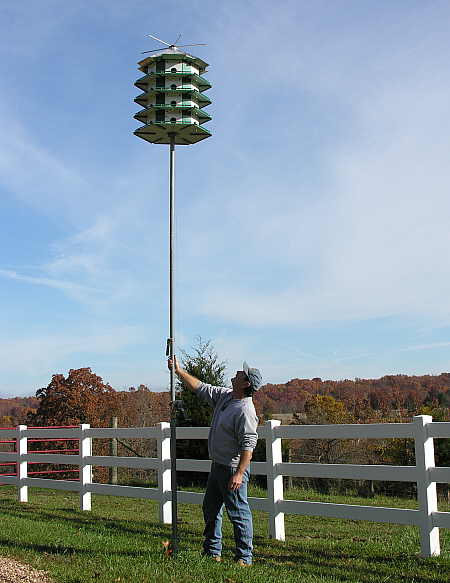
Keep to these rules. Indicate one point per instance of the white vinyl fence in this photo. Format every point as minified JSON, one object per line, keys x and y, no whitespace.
{"x":424,"y":473}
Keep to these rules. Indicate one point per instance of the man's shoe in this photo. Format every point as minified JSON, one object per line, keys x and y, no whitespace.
{"x":242,"y":563}
{"x":216,"y":558}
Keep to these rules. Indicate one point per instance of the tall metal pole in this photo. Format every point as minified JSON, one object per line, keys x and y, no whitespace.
{"x":113,"y":452}
{"x":171,"y":343}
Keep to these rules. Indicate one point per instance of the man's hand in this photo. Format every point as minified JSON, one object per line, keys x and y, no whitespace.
{"x":188,"y":380}
{"x":235,"y":481}
{"x":169,"y":364}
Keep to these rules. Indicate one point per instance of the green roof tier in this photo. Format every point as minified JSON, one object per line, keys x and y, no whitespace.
{"x":203,"y":99}
{"x":200,"y":97}
{"x":142,"y":115}
{"x":185,"y":134}
{"x":172,"y":54}
{"x":202,"y":115}
{"x":159,"y":106}
{"x":144,"y":81}
{"x":199,"y":114}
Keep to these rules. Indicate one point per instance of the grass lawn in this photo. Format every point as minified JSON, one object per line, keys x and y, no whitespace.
{"x":120,"y":540}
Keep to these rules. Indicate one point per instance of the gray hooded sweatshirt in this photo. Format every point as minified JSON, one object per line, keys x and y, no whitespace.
{"x":233,"y":426}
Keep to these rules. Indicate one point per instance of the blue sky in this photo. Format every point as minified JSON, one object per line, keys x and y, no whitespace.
{"x":312,"y":228}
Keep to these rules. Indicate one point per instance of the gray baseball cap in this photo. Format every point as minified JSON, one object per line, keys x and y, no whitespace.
{"x":254,"y":376}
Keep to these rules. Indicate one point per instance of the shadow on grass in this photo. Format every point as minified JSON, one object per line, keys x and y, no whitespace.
{"x":347,"y":567}
{"x":362,"y":565}
{"x":95,"y":524}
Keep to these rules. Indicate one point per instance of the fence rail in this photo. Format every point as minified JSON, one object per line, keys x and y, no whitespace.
{"x":427,"y":517}
{"x":12,"y":465}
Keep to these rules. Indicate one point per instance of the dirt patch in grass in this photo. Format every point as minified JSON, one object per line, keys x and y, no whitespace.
{"x":11,"y":571}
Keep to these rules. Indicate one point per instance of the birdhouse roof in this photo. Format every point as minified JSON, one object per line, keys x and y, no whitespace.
{"x":185,"y":134}
{"x":171,"y":53}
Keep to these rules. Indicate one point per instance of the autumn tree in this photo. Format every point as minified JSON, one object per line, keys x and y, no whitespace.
{"x":6,"y":421}
{"x":142,"y":407}
{"x":401,"y":452}
{"x":324,"y":410}
{"x":273,"y":399}
{"x":82,"y":397}
{"x":139,"y":407}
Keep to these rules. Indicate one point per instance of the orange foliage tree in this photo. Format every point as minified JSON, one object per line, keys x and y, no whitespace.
{"x":81,"y":397}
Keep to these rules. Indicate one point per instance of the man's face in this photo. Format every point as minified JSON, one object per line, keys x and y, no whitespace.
{"x":240,"y":380}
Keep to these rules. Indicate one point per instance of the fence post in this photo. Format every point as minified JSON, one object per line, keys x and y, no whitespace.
{"x":164,"y":473}
{"x":85,"y":469}
{"x":274,"y":480}
{"x":113,"y":452}
{"x":22,"y":465}
{"x":426,"y":489}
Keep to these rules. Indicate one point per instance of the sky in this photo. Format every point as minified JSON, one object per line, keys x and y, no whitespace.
{"x":312,"y":229}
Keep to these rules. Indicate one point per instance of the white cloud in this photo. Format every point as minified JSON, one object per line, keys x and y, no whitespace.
{"x":430,"y":346}
{"x":72,"y":289}
{"x":35,"y":175}
{"x":38,"y":357}
{"x":375,"y":240}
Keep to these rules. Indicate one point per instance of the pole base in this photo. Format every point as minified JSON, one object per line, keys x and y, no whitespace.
{"x":168,"y":548}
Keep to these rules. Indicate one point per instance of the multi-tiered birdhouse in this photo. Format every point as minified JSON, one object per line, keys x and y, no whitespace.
{"x":172,"y":98}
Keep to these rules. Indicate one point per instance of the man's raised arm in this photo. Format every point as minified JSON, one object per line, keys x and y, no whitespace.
{"x":190,"y":381}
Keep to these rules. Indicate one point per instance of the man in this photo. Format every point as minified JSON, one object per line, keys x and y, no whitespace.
{"x":232,"y":439}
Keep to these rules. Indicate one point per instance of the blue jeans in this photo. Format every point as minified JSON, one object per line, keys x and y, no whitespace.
{"x":216,"y":496}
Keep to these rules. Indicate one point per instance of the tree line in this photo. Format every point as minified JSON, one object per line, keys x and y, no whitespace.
{"x":83,"y":397}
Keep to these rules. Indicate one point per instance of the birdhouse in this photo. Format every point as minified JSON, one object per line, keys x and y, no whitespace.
{"x":173,"y":98}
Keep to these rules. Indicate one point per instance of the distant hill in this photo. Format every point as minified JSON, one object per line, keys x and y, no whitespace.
{"x":366,"y":398}
{"x":400,"y":393}
{"x":13,"y":411}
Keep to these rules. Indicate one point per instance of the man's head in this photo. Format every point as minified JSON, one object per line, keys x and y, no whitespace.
{"x":246,"y":381}
{"x":254,"y":377}
{"x":240,"y":382}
